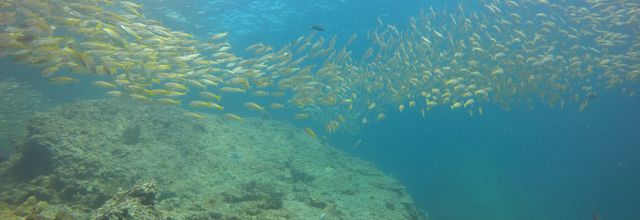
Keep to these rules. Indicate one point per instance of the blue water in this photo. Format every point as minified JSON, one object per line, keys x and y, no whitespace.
{"x":525,"y":164}
{"x":519,"y":164}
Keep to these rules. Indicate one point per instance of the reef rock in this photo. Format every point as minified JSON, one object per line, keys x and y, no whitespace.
{"x":91,"y":156}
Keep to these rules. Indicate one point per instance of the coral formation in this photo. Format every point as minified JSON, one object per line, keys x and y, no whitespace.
{"x":81,"y":157}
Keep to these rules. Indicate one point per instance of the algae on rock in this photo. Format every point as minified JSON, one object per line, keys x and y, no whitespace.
{"x":85,"y":156}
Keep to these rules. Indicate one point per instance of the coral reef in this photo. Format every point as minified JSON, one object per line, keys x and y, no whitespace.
{"x":81,"y":157}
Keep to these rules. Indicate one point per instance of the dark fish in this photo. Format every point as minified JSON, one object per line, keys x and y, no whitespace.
{"x":318,"y":28}
{"x":592,"y":95}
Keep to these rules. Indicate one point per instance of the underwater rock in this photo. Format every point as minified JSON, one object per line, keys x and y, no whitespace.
{"x":136,"y":203}
{"x":77,"y":155}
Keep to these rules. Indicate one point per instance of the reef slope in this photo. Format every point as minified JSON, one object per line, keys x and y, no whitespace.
{"x":117,"y":159}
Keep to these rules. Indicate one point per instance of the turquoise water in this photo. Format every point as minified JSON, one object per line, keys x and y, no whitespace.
{"x":523,"y":161}
{"x":523,"y":164}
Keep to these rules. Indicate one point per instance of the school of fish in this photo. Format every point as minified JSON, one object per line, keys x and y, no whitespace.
{"x":461,"y":58}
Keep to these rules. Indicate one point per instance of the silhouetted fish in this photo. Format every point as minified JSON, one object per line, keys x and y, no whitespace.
{"x":318,"y":28}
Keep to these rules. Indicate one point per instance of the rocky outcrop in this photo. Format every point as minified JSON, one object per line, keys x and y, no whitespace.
{"x":91,"y":157}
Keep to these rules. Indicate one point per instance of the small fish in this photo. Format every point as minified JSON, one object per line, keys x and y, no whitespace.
{"x":596,"y":214}
{"x":114,"y":93}
{"x":139,"y":97}
{"x":219,"y":36}
{"x":277,"y":106}
{"x":104,"y":84}
{"x":357,"y":144}
{"x":233,"y":117}
{"x":253,"y":106}
{"x":63,"y":80}
{"x":168,"y":101}
{"x":318,"y":27}
{"x":194,"y":115}
{"x":301,"y":116}
{"x":456,"y":105}
{"x":201,"y":104}
{"x":209,"y":95}
{"x":310,"y":132}
{"x":231,"y":90}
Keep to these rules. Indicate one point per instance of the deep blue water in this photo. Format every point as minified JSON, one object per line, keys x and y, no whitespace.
{"x":520,"y":164}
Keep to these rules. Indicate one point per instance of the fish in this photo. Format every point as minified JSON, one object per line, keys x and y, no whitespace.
{"x":276,"y":106}
{"x":63,"y":80}
{"x":356,"y":144}
{"x":233,"y":117}
{"x":209,"y":95}
{"x":310,"y":132}
{"x":232,"y":90}
{"x":460,"y":57}
{"x":194,"y":115}
{"x":219,"y":36}
{"x":104,"y":84}
{"x":318,"y":27}
{"x":204,"y":104}
{"x":139,"y":97}
{"x":301,"y":116}
{"x":253,"y":106}
{"x":168,"y":101}
{"x":115,"y":93}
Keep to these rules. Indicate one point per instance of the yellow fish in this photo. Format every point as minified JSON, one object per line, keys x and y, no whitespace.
{"x":63,"y":80}
{"x":300,"y":116}
{"x":233,"y":117}
{"x":168,"y":101}
{"x":253,"y":106}
{"x":201,"y":104}
{"x":114,"y":93}
{"x":176,"y":86}
{"x":277,"y":106}
{"x":140,"y":97}
{"x":310,"y":132}
{"x":104,"y":84}
{"x":194,"y":115}
{"x":209,"y":95}
{"x":231,"y":90}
